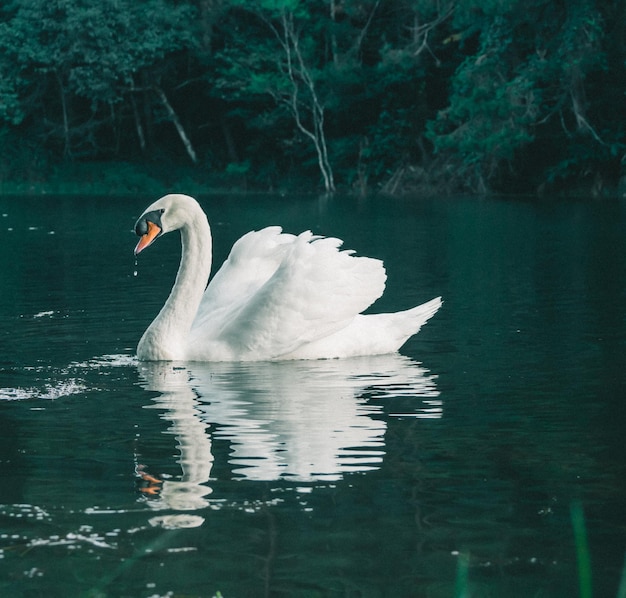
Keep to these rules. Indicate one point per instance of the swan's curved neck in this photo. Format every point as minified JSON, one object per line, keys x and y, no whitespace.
{"x":166,"y":338}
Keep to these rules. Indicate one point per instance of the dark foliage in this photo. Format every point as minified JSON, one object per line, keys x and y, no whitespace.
{"x":375,"y":95}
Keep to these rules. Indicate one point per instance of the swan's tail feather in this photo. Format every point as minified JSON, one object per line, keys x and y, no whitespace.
{"x":371,"y":334}
{"x":422,"y":313}
{"x":410,"y":321}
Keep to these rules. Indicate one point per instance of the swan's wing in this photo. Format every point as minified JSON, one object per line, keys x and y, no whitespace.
{"x":253,"y":259}
{"x":314,"y":290}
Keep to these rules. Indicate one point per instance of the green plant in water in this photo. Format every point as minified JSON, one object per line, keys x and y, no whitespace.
{"x":582,"y":549}
{"x":461,"y":588}
{"x":621,"y":592}
{"x":583,"y":558}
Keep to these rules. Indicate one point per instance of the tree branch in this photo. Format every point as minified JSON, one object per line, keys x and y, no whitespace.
{"x":179,"y":127}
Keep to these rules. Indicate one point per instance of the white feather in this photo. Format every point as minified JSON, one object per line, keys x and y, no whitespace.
{"x":277,"y":296}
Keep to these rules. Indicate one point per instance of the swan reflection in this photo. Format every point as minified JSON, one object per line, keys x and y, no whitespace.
{"x":302,"y":420}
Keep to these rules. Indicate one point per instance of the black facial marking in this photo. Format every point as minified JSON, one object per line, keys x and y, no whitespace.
{"x":141,"y":226}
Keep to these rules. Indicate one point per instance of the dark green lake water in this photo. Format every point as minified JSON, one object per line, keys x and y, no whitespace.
{"x":358,"y":478}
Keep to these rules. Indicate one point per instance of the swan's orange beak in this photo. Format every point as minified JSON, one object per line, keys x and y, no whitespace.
{"x":148,"y":238}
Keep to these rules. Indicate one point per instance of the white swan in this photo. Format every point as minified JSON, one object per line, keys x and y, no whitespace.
{"x":277,"y":296}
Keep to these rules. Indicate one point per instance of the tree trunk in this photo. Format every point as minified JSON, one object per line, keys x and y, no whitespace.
{"x":67,"y":145}
{"x":300,"y":75}
{"x":233,"y":156}
{"x":179,"y":127}
{"x":138,"y":125}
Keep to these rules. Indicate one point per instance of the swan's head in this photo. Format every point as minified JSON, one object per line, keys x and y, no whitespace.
{"x":163,"y":216}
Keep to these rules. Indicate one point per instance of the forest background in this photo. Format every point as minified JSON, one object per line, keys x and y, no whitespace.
{"x":392,"y":96}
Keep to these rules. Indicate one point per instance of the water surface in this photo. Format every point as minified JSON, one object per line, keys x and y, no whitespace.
{"x":364,"y":477}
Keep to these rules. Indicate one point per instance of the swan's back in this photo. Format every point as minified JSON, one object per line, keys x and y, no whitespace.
{"x":278,"y":292}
